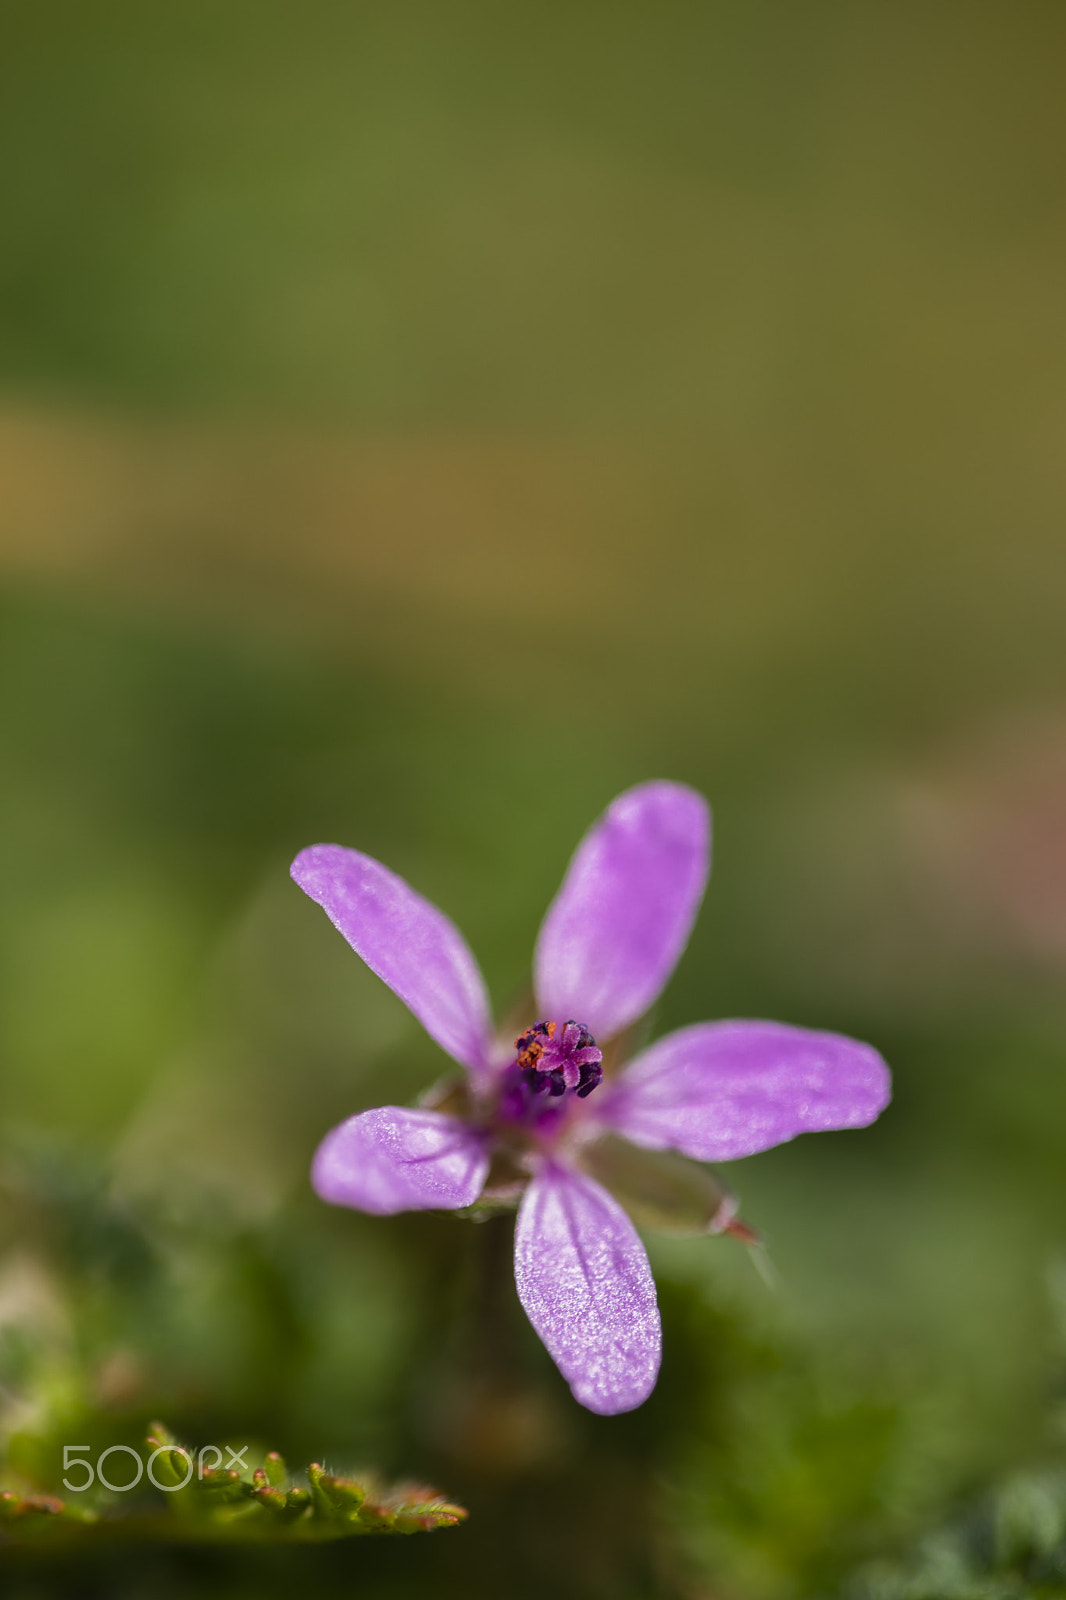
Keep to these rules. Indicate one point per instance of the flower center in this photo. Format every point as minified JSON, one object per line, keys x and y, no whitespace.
{"x":554,"y":1057}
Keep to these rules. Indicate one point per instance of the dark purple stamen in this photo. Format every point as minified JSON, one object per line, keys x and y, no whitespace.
{"x":554,"y":1059}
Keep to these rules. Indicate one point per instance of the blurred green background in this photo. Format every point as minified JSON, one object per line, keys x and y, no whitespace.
{"x":418,"y":422}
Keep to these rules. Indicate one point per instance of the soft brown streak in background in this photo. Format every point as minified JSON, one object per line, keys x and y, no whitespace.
{"x":612,"y":574}
{"x":543,"y":551}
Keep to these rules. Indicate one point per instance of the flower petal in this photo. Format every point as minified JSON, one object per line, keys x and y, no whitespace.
{"x":392,"y":1160}
{"x":584,"y":1281}
{"x":720,"y":1090}
{"x":415,"y":948}
{"x":615,"y":930}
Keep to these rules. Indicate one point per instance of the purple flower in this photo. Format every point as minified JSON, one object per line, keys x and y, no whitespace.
{"x":530,"y":1116}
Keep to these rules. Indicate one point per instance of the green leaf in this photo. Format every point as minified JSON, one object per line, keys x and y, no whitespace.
{"x":334,"y":1498}
{"x":170,"y":1463}
{"x":221,"y":1505}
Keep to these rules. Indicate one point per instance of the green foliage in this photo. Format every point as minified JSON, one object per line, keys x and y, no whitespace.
{"x":215,"y":1504}
{"x":1010,"y":1546}
{"x":782,"y":1470}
